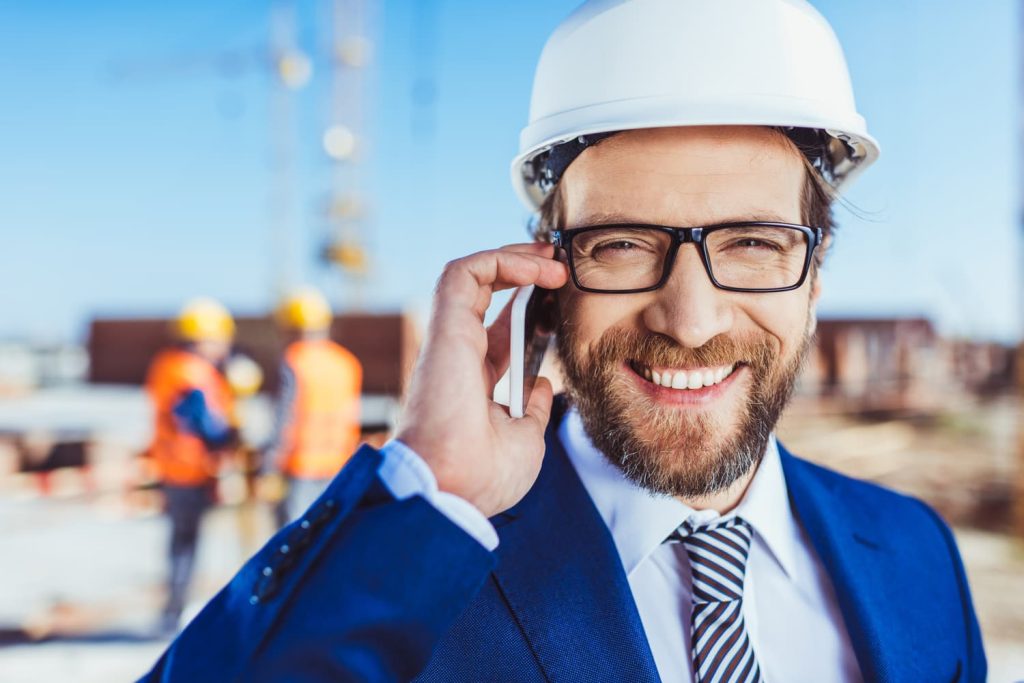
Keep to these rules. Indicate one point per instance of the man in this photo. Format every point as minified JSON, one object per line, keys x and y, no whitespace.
{"x":193,"y":409}
{"x":683,"y":154}
{"x":317,"y":418}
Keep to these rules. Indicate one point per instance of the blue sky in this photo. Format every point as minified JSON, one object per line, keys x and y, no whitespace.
{"x":126,"y":196}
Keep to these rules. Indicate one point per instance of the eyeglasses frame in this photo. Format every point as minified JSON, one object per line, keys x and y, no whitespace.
{"x":563,"y":239}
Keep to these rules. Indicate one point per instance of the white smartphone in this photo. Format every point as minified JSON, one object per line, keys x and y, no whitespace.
{"x":531,"y":336}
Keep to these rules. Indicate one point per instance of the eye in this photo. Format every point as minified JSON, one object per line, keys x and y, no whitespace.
{"x":618,"y":250}
{"x":617,"y":245}
{"x":755,"y":243}
{"x":749,"y":243}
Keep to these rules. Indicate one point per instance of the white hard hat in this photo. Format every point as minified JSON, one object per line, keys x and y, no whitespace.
{"x":625,"y":64}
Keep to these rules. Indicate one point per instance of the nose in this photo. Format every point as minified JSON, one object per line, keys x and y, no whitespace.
{"x":689,"y":308}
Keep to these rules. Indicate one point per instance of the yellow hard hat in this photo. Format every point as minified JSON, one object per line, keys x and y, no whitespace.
{"x":305,"y":309}
{"x":204,"y":320}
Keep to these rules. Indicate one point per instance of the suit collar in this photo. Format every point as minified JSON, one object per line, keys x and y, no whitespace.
{"x":561,"y":575}
{"x":640,"y":521}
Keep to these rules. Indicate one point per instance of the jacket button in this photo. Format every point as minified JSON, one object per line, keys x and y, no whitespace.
{"x":285,"y":549}
{"x":304,"y":524}
{"x":253,"y":599}
{"x":267,"y":571}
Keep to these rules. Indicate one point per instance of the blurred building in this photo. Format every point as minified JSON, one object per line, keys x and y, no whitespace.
{"x":899,"y":366}
{"x":25,"y":367}
{"x":120,"y":351}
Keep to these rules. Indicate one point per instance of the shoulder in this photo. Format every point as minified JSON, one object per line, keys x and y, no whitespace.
{"x":292,"y":353}
{"x":178,"y":364}
{"x":890,"y":512}
{"x":319,"y":348}
{"x":342,"y":354}
{"x":912,"y":562}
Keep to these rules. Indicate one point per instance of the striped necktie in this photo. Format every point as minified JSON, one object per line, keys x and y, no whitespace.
{"x":722,"y":652}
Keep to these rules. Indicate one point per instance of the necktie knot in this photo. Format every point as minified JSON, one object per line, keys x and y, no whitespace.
{"x":718,"y":558}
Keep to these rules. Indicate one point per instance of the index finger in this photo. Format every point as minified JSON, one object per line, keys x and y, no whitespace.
{"x":469,"y":282}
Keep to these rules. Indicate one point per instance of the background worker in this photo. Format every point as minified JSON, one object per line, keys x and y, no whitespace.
{"x":317,"y":417}
{"x":194,"y":422}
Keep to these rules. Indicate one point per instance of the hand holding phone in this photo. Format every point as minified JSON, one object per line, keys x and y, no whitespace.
{"x":450,"y":418}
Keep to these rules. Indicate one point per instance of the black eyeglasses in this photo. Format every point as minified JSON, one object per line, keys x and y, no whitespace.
{"x":739,"y":257}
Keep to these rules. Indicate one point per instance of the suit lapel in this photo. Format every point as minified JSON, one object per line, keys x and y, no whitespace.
{"x":562,"y":577}
{"x":857,"y":561}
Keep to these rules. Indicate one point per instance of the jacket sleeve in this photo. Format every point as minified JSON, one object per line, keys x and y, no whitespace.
{"x":361,"y":588}
{"x":195,"y":417}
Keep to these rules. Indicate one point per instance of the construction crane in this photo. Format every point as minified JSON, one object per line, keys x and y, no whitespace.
{"x":345,"y":143}
{"x":291,"y":69}
{"x":347,"y":51}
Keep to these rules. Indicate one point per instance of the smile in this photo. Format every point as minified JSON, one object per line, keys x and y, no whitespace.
{"x":684,"y":380}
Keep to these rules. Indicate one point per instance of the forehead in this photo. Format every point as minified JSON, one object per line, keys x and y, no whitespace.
{"x":686,"y":176}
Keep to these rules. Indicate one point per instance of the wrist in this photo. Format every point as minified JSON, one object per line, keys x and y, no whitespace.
{"x":449,"y":475}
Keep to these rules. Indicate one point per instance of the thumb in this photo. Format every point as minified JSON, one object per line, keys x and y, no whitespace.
{"x":538,"y":410}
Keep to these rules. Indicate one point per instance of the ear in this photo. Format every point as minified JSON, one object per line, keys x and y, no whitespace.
{"x":812,"y":309}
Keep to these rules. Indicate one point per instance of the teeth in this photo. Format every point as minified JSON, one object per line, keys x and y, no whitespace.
{"x":681,"y":379}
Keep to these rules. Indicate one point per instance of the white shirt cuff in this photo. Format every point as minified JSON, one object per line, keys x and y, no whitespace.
{"x":405,"y":474}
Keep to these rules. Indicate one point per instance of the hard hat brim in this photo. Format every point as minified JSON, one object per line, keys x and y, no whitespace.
{"x":667,"y":112}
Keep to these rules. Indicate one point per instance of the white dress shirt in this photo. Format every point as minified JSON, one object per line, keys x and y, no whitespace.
{"x":789,"y":604}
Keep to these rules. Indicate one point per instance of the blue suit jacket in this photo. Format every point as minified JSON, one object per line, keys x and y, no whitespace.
{"x":366,"y":588}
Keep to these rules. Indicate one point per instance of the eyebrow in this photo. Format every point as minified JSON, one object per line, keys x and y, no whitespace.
{"x":603,"y":217}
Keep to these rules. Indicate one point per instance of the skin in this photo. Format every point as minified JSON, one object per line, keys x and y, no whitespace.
{"x":673,"y":176}
{"x":213,"y":350}
{"x":691,"y":177}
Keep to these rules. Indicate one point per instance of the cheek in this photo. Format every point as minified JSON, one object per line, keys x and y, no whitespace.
{"x":592,"y":315}
{"x":783,"y":316}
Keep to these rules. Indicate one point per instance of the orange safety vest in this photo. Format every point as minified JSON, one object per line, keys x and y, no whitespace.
{"x":181,"y":458}
{"x":322,"y":430}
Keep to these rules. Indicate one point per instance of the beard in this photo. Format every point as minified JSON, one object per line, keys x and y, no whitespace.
{"x":682,"y":453}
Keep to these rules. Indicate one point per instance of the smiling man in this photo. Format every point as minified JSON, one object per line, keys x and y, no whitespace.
{"x":682,"y":155}
{"x":681,"y":385}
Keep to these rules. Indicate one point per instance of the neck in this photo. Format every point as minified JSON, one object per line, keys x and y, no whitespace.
{"x":726,"y":500}
{"x":314,"y":335}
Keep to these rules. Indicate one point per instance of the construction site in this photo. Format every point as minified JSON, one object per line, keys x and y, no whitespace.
{"x":901,"y":399}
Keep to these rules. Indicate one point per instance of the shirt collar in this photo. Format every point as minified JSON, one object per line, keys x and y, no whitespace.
{"x":640,"y":521}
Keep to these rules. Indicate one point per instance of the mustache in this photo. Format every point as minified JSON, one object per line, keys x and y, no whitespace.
{"x":657,"y":349}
